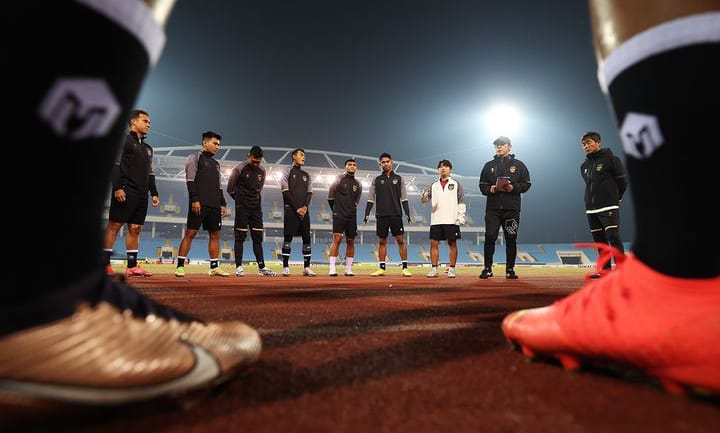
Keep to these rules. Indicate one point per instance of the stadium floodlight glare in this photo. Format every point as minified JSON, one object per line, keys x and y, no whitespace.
{"x":502,"y":119}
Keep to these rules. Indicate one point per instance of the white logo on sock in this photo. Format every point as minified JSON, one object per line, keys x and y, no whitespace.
{"x":641,"y":135}
{"x":79,"y":108}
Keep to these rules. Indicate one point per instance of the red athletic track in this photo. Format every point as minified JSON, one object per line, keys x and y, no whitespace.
{"x":425,"y":355}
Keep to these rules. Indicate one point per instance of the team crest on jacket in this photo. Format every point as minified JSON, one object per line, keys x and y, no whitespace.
{"x":513,"y":169}
{"x":382,"y":181}
{"x":260,"y":178}
{"x":599,"y":167}
{"x":394,"y":181}
{"x":304,"y":178}
{"x":354,"y":188}
{"x":451,"y":187}
{"x":149,"y":152}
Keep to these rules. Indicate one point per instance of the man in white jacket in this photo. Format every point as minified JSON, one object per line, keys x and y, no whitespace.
{"x":447,"y":215}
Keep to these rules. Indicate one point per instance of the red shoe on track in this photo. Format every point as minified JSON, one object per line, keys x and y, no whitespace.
{"x":137,"y":271}
{"x":666,"y":327}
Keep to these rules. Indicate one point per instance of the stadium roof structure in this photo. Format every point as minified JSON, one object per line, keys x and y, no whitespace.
{"x":322,"y":165}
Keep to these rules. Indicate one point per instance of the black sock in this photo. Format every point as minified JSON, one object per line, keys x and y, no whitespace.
{"x":660,"y":131}
{"x":131,"y":258}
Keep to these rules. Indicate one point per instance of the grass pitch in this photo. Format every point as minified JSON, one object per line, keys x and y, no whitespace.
{"x":365,"y":268}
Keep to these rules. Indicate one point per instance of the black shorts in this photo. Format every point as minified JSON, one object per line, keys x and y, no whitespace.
{"x":132,"y":211}
{"x":345,"y":226}
{"x":245,"y":218}
{"x":444,"y":232}
{"x":604,"y":220}
{"x":392,"y":223}
{"x":293,"y":225}
{"x":209,"y":218}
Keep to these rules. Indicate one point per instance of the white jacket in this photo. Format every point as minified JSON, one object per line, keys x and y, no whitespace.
{"x":447,"y":204}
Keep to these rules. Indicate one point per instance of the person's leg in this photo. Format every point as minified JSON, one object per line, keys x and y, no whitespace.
{"x":291,"y":224}
{"x":118,"y":216}
{"x":402,"y":249}
{"x":597,"y":231}
{"x":334,"y":251}
{"x":434,"y":258}
{"x":492,"y":229}
{"x":349,"y":257}
{"x":111,"y":234}
{"x":257,"y":232}
{"x":240,"y":230}
{"x":350,"y":233}
{"x":286,"y":250}
{"x":75,"y":110}
{"x":510,"y":226}
{"x":658,"y":310}
{"x":307,"y":248}
{"x":453,"y":251}
{"x":139,"y":205}
{"x":434,"y":252}
{"x":382,"y":252}
{"x":214,"y":248}
{"x":132,"y":243}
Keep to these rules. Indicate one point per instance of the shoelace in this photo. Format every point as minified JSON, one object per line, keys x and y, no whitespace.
{"x":117,"y":292}
{"x":606,"y":254}
{"x":603,"y":284}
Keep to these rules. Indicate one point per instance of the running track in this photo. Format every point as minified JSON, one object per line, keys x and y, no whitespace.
{"x":356,"y":355}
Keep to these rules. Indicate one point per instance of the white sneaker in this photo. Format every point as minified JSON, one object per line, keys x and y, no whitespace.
{"x":433,"y":273}
{"x":286,"y":272}
{"x":239,"y":271}
{"x":266,"y":272}
{"x":217,"y":272}
{"x":451,"y":272}
{"x":309,"y":273}
{"x":349,"y":273}
{"x":332,"y":272}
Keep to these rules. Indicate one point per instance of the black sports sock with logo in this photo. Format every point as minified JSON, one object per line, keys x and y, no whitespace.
{"x":665,"y":106}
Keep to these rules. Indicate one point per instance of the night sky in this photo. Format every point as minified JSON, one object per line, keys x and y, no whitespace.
{"x":413,"y":78}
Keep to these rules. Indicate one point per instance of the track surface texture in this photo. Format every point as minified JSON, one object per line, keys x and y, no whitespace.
{"x":355,"y":354}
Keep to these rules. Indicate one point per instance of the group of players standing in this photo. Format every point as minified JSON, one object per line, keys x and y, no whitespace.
{"x":387,"y":193}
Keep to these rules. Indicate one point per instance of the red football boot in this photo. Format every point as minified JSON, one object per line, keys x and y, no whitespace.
{"x":666,"y":327}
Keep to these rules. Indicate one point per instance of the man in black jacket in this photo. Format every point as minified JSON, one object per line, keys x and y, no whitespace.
{"x":343,"y":198}
{"x":389,"y":192}
{"x":502,"y":180}
{"x":245,"y":186}
{"x":132,"y":178}
{"x":207,"y":203}
{"x":605,"y":184}
{"x":296,"y":187}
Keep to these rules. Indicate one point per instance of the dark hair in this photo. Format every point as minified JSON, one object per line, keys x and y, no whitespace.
{"x":444,"y":162}
{"x":210,"y":134}
{"x":135,"y":114}
{"x":299,"y":149}
{"x":350,"y":160}
{"x":256,"y":152}
{"x":384,"y":155}
{"x":591,"y":135}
